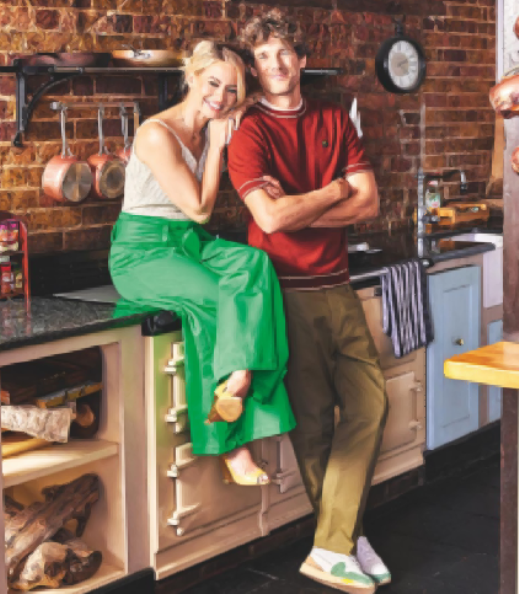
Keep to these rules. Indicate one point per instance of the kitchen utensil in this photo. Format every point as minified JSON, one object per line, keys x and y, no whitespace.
{"x":458,"y":213}
{"x":62,"y":59}
{"x":124,"y":153}
{"x":107,"y":170}
{"x":65,"y":177}
{"x":153,"y":58}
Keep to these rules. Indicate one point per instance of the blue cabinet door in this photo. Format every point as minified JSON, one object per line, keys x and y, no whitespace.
{"x":452,"y":406}
{"x":495,"y":394}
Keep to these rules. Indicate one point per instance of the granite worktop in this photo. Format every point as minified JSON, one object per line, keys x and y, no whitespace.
{"x":52,"y":318}
{"x":388,"y":249}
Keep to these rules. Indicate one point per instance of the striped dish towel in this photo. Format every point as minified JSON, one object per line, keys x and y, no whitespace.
{"x":405,"y":307}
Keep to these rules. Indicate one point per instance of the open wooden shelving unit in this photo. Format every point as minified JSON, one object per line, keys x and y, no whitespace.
{"x":55,"y":458}
{"x":25,"y":475}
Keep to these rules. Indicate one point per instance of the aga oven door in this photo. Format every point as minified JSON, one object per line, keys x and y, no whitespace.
{"x":188,"y":500}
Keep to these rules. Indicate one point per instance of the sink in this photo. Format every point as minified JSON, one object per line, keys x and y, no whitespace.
{"x":494,"y":238}
{"x":492,"y":266}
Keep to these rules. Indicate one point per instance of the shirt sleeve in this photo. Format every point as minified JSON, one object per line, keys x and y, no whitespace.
{"x":356,"y":159}
{"x":248,"y":159}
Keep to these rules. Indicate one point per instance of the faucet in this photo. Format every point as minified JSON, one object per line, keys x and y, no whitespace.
{"x":423,"y":178}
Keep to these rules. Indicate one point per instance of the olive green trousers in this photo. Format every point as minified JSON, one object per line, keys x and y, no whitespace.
{"x":333,"y":364}
{"x":231,"y":306}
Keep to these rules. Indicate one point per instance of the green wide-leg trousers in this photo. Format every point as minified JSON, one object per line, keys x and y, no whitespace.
{"x":231,"y":307}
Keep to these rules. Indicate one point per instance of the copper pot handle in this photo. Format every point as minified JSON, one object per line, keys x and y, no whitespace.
{"x":100,"y":114}
{"x":65,"y":149}
{"x":124,"y":126}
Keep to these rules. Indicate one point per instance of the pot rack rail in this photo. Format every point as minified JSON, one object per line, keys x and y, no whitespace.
{"x":59,"y":74}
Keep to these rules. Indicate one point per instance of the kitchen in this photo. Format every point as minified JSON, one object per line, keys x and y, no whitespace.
{"x":447,"y":124}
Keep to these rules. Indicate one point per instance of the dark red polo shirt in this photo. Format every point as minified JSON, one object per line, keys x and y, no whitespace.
{"x":305,"y":150}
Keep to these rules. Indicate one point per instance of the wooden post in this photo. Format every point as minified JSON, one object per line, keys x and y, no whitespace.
{"x":509,"y":424}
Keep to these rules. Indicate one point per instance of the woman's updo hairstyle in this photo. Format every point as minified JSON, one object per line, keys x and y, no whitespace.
{"x":206,"y":53}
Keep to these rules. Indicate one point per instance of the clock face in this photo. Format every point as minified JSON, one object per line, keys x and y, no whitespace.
{"x":403,"y":65}
{"x":400,"y":65}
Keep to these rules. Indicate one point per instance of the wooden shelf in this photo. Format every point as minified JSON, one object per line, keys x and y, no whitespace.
{"x":105,"y":575}
{"x":55,"y":458}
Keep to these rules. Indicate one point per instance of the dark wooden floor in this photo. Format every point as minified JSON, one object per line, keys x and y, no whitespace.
{"x":440,"y":539}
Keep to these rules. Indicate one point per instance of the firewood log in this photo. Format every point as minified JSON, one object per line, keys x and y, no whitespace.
{"x":11,"y":507}
{"x":62,"y":503}
{"x":83,"y":563}
{"x":54,"y":564}
{"x":51,"y":425}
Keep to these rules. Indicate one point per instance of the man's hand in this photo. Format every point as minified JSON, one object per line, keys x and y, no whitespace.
{"x":273,"y":187}
{"x":362,"y":203}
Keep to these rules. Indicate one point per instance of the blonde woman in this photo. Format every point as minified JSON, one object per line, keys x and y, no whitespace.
{"x":227,"y":294}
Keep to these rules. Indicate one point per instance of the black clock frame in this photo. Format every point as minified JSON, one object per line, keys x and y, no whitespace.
{"x":382,"y":65}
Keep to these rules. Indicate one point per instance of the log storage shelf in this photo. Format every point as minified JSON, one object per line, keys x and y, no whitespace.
{"x":55,"y":458}
{"x":76,"y":492}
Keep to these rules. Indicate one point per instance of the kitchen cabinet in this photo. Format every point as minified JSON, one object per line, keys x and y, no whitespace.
{"x":495,"y":394}
{"x":455,"y":304}
{"x":404,"y":435}
{"x":117,"y":526}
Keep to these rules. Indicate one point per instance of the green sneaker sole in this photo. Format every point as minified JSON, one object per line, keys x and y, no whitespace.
{"x":343,"y":584}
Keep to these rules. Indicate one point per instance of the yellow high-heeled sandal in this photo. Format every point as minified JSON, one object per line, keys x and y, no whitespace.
{"x":226,"y":406}
{"x":257,"y":478}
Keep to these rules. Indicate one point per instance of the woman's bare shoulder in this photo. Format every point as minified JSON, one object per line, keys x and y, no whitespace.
{"x":155,"y":139}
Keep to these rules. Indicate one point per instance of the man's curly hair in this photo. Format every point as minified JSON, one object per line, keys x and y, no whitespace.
{"x":276,"y":24}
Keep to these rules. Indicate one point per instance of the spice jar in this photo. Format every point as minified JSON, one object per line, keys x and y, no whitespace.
{"x":6,"y":276}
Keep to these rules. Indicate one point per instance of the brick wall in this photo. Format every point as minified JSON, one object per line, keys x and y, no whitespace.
{"x":447,"y":124}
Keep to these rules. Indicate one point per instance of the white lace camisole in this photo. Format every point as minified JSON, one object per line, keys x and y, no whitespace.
{"x":142,"y":192}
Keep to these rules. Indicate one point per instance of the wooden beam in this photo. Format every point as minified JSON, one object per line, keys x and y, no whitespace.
{"x":509,"y":426}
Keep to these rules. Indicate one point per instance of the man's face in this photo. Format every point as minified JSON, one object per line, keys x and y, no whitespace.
{"x":277,"y":66}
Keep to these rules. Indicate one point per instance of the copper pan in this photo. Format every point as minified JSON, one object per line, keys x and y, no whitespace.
{"x":107,"y":170}
{"x":153,"y":58}
{"x":66,"y":178}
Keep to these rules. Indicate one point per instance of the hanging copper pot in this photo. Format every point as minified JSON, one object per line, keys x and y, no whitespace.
{"x":124,"y":153}
{"x":107,"y":170}
{"x":515,"y":160}
{"x":66,"y":178}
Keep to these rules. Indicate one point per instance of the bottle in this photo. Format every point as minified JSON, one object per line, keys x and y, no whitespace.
{"x":433,"y":197}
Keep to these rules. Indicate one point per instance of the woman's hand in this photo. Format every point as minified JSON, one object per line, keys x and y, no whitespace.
{"x":234,"y":116}
{"x":218,"y":132}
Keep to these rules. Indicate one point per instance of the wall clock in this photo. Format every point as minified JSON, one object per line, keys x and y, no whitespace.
{"x":400,"y":63}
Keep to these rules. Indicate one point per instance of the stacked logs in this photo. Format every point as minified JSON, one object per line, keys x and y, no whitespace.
{"x":39,"y":550}
{"x":504,"y":98}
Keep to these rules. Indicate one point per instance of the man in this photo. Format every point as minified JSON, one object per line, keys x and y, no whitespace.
{"x":325,"y":183}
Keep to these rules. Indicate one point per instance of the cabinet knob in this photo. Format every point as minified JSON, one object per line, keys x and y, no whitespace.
{"x":460,"y":342}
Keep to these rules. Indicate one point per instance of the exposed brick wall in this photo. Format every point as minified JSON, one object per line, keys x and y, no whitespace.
{"x":447,"y":124}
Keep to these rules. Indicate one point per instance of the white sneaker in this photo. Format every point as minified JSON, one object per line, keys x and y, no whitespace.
{"x":341,"y":572}
{"x":371,"y":563}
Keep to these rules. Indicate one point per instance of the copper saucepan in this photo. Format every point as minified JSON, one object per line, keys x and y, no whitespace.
{"x":66,"y":178}
{"x":154,"y":58}
{"x":107,"y":170}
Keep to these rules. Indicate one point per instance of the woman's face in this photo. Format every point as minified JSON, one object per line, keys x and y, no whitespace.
{"x":216,"y":89}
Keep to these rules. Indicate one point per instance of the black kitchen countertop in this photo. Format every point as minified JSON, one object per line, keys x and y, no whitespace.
{"x":54,"y":318}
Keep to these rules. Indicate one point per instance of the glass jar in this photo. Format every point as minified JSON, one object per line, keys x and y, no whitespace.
{"x":433,"y":197}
